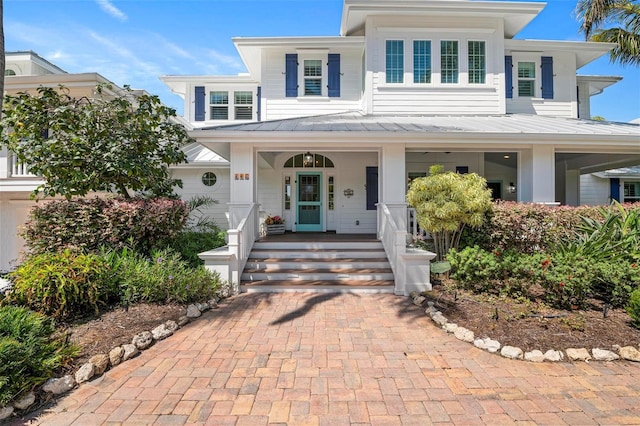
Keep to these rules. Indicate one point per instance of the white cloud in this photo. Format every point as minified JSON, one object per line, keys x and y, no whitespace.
{"x":109,"y":7}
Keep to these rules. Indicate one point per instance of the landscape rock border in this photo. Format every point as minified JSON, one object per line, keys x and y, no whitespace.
{"x":628,"y":353}
{"x":100,"y":363}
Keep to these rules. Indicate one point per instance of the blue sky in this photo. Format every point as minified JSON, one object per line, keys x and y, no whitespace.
{"x":135,"y":41}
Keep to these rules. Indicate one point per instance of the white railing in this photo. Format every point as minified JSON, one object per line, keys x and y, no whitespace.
{"x":411,"y":266}
{"x":413,"y":227}
{"x":230,"y":260}
{"x":19,"y":169}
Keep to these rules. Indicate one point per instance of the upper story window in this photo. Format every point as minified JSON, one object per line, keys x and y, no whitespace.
{"x":9,"y":72}
{"x":312,"y":77}
{"x":477,"y":62}
{"x":526,"y":79}
{"x":219,"y":105}
{"x":394,"y":54}
{"x":449,"y":61}
{"x":422,"y":61}
{"x":243,"y":105}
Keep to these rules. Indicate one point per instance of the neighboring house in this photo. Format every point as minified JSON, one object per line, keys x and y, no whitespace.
{"x":25,"y":72}
{"x":328,"y":131}
{"x":603,"y":187}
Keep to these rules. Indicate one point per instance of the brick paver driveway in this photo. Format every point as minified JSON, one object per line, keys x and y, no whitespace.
{"x":334,"y":359}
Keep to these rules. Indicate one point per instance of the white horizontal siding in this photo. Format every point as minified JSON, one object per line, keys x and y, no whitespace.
{"x":192,"y":186}
{"x":594,"y":191}
{"x":278,"y":106}
{"x":550,"y":107}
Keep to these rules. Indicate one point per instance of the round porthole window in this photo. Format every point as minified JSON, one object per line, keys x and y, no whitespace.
{"x":209,"y":178}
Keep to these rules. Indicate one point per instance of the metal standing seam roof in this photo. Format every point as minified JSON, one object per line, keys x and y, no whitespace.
{"x":507,"y":124}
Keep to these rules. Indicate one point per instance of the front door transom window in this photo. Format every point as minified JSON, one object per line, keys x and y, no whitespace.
{"x":307,"y":161}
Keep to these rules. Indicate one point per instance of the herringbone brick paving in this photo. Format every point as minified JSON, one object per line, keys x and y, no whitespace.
{"x":333,"y":359}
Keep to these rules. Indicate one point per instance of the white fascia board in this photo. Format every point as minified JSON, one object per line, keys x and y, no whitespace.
{"x":250,"y":48}
{"x":597,"y":83}
{"x":516,"y":15}
{"x":180,"y":83}
{"x":16,"y":82}
{"x":585,"y":51}
{"x":478,"y":140}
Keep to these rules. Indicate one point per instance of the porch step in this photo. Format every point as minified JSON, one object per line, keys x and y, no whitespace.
{"x":317,"y":266}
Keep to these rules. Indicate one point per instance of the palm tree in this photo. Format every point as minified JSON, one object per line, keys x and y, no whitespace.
{"x":614,"y":21}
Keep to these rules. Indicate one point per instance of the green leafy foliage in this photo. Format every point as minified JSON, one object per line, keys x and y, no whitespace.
{"x":115,"y":142}
{"x":190,"y":243}
{"x":64,"y":285}
{"x":89,"y":224}
{"x":28,"y":351}
{"x":163,"y":278}
{"x":527,"y":227}
{"x":633,"y":307}
{"x":447,"y":202}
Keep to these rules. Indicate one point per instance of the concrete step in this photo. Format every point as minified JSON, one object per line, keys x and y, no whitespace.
{"x":305,"y":264}
{"x":317,"y":245}
{"x":297,"y":275}
{"x":373,"y":286}
{"x":318,"y":254}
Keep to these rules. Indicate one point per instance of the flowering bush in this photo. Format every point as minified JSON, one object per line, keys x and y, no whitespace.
{"x":274,"y":220}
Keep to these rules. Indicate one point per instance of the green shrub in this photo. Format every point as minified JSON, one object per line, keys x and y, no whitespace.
{"x":190,"y":243}
{"x":527,"y":227}
{"x":163,"y":278}
{"x":88,"y":224}
{"x":28,"y":352}
{"x":64,"y":285}
{"x":474,"y":268}
{"x":633,"y":307}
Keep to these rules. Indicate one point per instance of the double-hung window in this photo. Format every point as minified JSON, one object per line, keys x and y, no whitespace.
{"x":219,"y":105}
{"x":421,"y":61}
{"x":394,"y":55}
{"x":526,"y":79}
{"x":243,"y":105}
{"x":449,"y":61}
{"x":312,"y":77}
{"x":477,"y":62}
{"x":631,"y":192}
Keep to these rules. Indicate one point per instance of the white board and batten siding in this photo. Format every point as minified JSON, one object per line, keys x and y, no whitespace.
{"x":349,"y":215}
{"x":435,"y":98}
{"x":276,"y":105}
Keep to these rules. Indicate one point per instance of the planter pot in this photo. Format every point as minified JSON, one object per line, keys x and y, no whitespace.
{"x":275,"y":229}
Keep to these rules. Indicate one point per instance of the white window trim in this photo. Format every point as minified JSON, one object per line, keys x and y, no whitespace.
{"x":323,"y":57}
{"x":622,"y":196}
{"x":436,"y":65}
{"x":537,"y":82}
{"x":231,"y":105}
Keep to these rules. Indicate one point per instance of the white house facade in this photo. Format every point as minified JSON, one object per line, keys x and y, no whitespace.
{"x":328,"y":131}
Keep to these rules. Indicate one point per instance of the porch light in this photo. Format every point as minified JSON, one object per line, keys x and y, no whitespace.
{"x":511,"y":188}
{"x":308,"y":159}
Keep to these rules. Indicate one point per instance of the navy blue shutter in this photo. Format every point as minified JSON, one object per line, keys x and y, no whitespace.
{"x":334,"y":75}
{"x":615,"y":188}
{"x":291,"y":71}
{"x":547,"y":77}
{"x":508,"y":76}
{"x":199,"y":98}
{"x":259,"y":101}
{"x":372,"y":188}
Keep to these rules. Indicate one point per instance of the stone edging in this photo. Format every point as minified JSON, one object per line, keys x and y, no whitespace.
{"x":100,"y":363}
{"x":629,"y":353}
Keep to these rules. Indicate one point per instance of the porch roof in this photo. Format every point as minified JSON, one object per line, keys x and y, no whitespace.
{"x":508,"y":124}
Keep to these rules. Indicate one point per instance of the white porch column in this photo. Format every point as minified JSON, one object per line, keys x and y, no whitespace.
{"x":536,"y":175}
{"x":243,"y":182}
{"x":394,"y":182}
{"x":4,"y":163}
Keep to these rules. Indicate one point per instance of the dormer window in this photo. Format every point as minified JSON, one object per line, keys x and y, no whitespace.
{"x":312,"y":77}
{"x":526,"y":79}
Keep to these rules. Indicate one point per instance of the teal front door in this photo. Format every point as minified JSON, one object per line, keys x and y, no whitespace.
{"x":309,"y":204}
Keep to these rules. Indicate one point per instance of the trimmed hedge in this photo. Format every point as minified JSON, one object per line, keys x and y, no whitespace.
{"x":88,"y":224}
{"x":526,"y":227}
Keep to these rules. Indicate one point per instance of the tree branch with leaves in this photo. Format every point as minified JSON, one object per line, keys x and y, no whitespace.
{"x":114,"y":142}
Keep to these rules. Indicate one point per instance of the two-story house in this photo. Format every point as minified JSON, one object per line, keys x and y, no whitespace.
{"x":328,"y":131}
